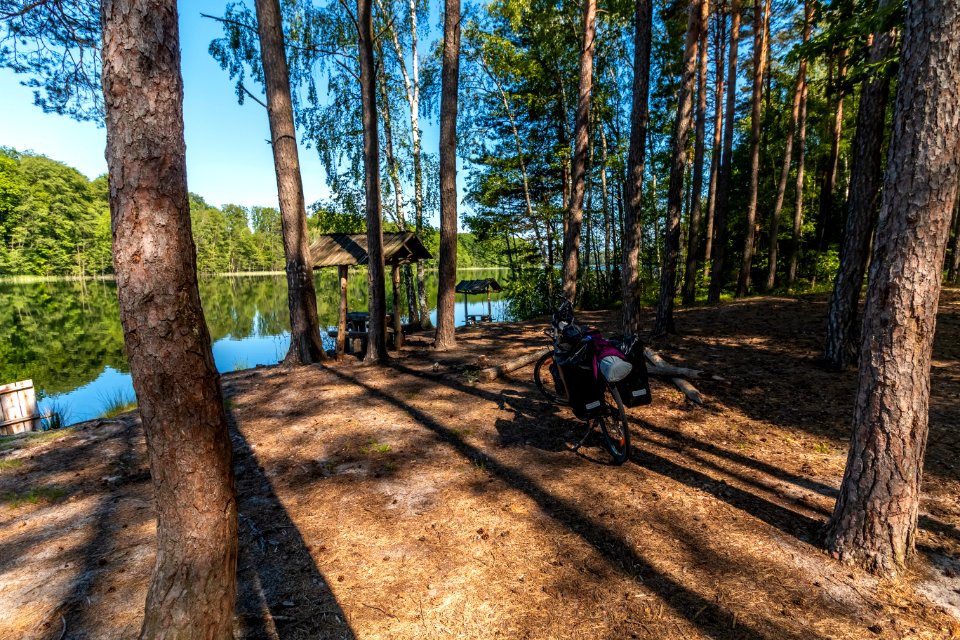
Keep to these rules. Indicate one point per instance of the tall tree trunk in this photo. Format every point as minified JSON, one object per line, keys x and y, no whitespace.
{"x":761,"y":20}
{"x":787,"y":158}
{"x":393,"y":170}
{"x":544,"y":251}
{"x":377,"y":296}
{"x":693,"y":238}
{"x":726,"y":163}
{"x":953,"y":274}
{"x":571,"y":238}
{"x":720,"y":47}
{"x":636,"y":157}
{"x":801,"y":157}
{"x":874,"y":522}
{"x":193,"y":586}
{"x":411,"y":83}
{"x":446,"y":296}
{"x":588,"y":211}
{"x":393,"y":165}
{"x":668,"y":274}
{"x":829,"y":185}
{"x":865,"y":180}
{"x":305,"y":344}
{"x":607,"y":230}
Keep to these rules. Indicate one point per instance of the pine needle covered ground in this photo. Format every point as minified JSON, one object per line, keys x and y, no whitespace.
{"x":416,"y":502}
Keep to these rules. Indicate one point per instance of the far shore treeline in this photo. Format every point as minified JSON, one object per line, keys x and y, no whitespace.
{"x":54,"y":221}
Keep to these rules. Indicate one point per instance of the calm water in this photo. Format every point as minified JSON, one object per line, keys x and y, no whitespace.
{"x":66,"y":336}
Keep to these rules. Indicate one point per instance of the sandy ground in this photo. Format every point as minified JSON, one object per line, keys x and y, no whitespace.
{"x":415,"y":502}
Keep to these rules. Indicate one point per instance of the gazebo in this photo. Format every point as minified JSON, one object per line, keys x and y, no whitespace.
{"x":477,"y":287}
{"x":343,"y":250}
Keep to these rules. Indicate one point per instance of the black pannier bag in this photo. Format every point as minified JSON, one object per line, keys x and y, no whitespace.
{"x":635,"y":388}
{"x":557,"y":380}
{"x":584,"y":390}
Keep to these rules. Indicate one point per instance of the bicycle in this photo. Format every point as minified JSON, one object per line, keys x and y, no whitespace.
{"x":606,"y":413}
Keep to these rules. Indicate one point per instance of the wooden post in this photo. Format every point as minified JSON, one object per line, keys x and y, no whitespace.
{"x":466,"y":317}
{"x":342,"y":318}
{"x":489,"y":307}
{"x":397,"y":327}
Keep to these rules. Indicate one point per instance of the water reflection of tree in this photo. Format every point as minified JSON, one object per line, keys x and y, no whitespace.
{"x":60,"y":334}
{"x":63,"y":334}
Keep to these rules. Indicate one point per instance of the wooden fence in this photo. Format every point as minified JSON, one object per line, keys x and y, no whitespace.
{"x":18,"y":408}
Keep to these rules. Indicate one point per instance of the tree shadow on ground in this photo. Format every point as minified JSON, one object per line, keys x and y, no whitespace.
{"x":281,"y":593}
{"x":95,"y":557}
{"x":618,"y":554}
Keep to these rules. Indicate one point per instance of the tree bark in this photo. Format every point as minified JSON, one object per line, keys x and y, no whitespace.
{"x":693,"y":238}
{"x":636,"y":156}
{"x":761,"y":20}
{"x":720,"y":46}
{"x":668,"y":273}
{"x":865,"y":180}
{"x":193,"y":586}
{"x":953,"y":274}
{"x":787,"y":156}
{"x":393,"y":170}
{"x":607,"y":229}
{"x":875,"y":519}
{"x":446,"y":297}
{"x":342,"y":275}
{"x":377,"y":297}
{"x":571,"y":238}
{"x":829,"y":184}
{"x":726,"y":163}
{"x":801,"y":157}
{"x":305,"y":344}
{"x":411,"y":82}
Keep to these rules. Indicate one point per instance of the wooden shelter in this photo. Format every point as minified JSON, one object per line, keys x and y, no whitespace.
{"x":478,"y":287}
{"x":343,"y":250}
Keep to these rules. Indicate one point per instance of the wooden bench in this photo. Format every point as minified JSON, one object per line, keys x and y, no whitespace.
{"x":18,"y":408}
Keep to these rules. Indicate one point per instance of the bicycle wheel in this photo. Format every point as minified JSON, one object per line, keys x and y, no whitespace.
{"x":549,"y":385}
{"x":613,"y":425}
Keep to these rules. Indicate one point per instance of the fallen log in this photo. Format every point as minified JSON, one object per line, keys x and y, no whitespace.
{"x":494,"y":372}
{"x":671,"y":371}
{"x":688,"y":389}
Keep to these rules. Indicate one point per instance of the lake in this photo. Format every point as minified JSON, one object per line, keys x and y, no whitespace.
{"x":66,"y":335}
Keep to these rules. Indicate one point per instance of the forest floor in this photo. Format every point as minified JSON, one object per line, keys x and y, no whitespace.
{"x":415,"y":502}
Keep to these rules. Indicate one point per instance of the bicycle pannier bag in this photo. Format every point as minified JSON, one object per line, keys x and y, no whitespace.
{"x":635,"y":388}
{"x":583,"y":388}
{"x":557,"y":380}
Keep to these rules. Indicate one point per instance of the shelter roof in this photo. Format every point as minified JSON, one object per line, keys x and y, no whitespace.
{"x":478,"y":286}
{"x":347,"y":249}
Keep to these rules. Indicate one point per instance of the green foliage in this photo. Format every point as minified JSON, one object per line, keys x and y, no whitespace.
{"x":235,"y":239}
{"x":527,"y":292}
{"x":117,"y":404}
{"x":56,"y":416}
{"x":56,"y":44}
{"x":59,"y":334}
{"x":53,"y":220}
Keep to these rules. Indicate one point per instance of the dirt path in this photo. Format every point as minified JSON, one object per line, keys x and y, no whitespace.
{"x":414,"y":502}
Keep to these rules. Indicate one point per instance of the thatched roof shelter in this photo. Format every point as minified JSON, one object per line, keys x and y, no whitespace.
{"x":478,"y":287}
{"x":475,"y":287}
{"x":348,"y":249}
{"x":344,"y":250}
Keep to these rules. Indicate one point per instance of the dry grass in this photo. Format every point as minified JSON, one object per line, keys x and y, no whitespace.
{"x":408,"y":503}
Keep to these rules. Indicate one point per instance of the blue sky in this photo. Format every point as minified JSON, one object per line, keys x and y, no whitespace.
{"x":228,"y":157}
